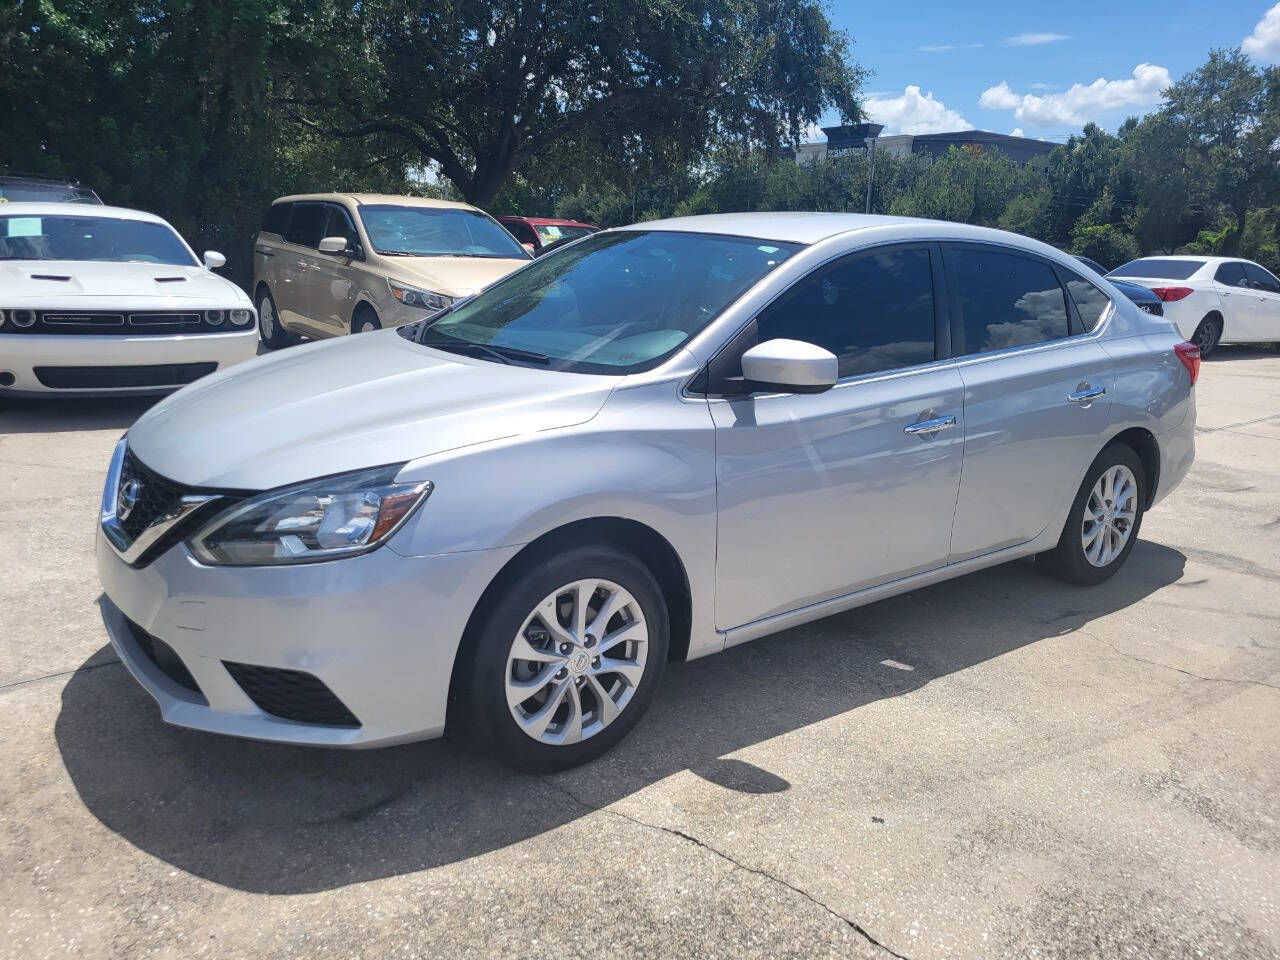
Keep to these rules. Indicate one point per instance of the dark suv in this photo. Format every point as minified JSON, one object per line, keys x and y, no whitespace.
{"x":36,"y":188}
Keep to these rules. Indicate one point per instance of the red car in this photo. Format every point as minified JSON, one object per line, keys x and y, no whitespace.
{"x":537,"y":234}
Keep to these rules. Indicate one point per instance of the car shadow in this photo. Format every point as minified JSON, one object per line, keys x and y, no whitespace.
{"x":276,"y":819}
{"x":64,"y":414}
{"x":1246,"y":351}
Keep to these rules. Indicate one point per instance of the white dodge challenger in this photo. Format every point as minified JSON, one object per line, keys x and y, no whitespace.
{"x":105,"y":300}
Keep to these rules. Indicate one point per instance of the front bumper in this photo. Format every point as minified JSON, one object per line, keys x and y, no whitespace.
{"x":380,"y":631}
{"x":21,"y":354}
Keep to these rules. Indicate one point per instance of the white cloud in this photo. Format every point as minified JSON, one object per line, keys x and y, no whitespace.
{"x":1044,"y":86}
{"x":1079,"y":104}
{"x":947,"y":47}
{"x":914,"y":112}
{"x":1016,"y":132}
{"x":1264,"y":42}
{"x":1034,"y":39}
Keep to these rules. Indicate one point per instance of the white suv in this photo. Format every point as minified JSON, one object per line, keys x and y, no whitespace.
{"x":1212,"y":300}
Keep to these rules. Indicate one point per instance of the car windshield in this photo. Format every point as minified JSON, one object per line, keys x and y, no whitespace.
{"x":555,"y":232}
{"x":613,"y":303}
{"x":34,"y":191}
{"x":1158,"y":268}
{"x":72,"y":237}
{"x":437,"y":232}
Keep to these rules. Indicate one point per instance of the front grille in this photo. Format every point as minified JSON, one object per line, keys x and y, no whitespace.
{"x":104,"y":378}
{"x":138,"y":323}
{"x":157,"y":495}
{"x":165,"y":658}
{"x":291,"y":695}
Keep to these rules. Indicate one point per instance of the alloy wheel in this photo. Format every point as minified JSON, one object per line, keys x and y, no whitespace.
{"x":1109,"y":515}
{"x":267,"y":318}
{"x":576,"y":662}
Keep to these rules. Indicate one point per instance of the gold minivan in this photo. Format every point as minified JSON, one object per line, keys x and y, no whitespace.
{"x":328,"y":264}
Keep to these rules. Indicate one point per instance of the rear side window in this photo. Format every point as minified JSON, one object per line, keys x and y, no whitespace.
{"x":277,"y":219}
{"x":1091,"y":303}
{"x":306,"y":225}
{"x":1260,"y":279}
{"x":1158,"y":268}
{"x":1004,"y":300}
{"x":1232,"y":274}
{"x":873,"y":310}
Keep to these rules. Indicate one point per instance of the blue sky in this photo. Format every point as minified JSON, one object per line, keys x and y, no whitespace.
{"x":1043,"y":69}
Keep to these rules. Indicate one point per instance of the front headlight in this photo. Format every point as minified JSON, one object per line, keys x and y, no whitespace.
{"x":240,"y":317}
{"x":323,"y":519}
{"x":417,"y":297}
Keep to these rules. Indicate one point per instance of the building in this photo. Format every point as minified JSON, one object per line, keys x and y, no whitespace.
{"x":847,"y":139}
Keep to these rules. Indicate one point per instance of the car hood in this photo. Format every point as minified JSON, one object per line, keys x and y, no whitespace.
{"x":453,"y":276}
{"x":45,"y":280}
{"x":348,"y":404}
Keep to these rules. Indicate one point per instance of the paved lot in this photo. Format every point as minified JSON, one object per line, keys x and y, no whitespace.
{"x":999,"y":766}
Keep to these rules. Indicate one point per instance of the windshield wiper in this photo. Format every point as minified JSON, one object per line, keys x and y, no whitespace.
{"x":501,"y":354}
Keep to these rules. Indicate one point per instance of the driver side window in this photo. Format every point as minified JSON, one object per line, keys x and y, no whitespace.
{"x":874,"y":310}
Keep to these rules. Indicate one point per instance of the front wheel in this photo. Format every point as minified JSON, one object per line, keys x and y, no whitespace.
{"x":1103,"y":524}
{"x":365,"y":321}
{"x":565,"y":661}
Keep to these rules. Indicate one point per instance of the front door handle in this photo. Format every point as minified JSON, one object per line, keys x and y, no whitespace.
{"x":1087,"y":395}
{"x":930,"y":426}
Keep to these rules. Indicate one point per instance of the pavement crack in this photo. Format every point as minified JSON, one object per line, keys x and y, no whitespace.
{"x":1196,"y":676}
{"x":54,"y":676}
{"x":673,"y":831}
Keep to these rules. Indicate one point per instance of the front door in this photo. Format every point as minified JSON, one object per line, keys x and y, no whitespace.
{"x":822,"y":495}
{"x":1238,"y":299}
{"x":330,"y":291}
{"x":1037,"y":393}
{"x":1266,"y":293}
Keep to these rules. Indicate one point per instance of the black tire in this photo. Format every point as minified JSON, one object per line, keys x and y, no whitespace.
{"x":272,"y":335}
{"x":365,"y":320}
{"x":1207,"y":336}
{"x":1067,"y":561}
{"x":479,"y":712}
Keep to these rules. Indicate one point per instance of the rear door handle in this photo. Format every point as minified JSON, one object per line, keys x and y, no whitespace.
{"x":930,"y":426}
{"x":1087,"y":395}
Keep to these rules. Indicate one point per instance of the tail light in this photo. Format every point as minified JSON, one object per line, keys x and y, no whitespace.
{"x":1172,"y":294}
{"x":1189,"y":354}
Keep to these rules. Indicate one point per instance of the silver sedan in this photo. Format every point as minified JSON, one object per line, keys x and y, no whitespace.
{"x":657,"y":442}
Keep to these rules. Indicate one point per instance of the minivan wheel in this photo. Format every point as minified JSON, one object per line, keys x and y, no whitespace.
{"x":272,"y":335}
{"x":365,"y":321}
{"x":565,"y":661}
{"x":1207,"y":335}
{"x":1105,"y":517}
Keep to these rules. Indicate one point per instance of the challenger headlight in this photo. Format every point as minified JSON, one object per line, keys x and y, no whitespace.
{"x":323,"y":519}
{"x":417,"y":297}
{"x":240,"y":317}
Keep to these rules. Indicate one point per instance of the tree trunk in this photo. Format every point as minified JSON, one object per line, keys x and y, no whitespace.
{"x":1231,"y":246}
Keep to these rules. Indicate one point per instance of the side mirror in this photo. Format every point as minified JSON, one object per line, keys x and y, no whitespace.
{"x":336,"y":245}
{"x":790,"y":366}
{"x":213,"y":260}
{"x":531,"y":248}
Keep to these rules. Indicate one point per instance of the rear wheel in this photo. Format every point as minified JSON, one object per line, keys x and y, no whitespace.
{"x":270,"y":332}
{"x":565,"y":661}
{"x":1105,"y":517}
{"x":1207,"y":335}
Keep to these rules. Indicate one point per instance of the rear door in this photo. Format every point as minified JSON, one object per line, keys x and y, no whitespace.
{"x":297,"y":264}
{"x":1037,"y":391}
{"x":267,"y":245}
{"x":824,"y":494}
{"x":1239,"y":301}
{"x":1266,"y":288}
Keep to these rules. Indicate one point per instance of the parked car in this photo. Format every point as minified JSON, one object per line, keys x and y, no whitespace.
{"x":102,"y":300}
{"x":1212,"y":300}
{"x":329,"y":264}
{"x":1144,"y":298}
{"x":662,"y":441}
{"x":36,"y":188}
{"x":539,"y":234}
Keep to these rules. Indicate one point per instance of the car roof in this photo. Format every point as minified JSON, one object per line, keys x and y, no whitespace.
{"x":545,"y":221}
{"x":77,"y":210}
{"x":377,"y":198}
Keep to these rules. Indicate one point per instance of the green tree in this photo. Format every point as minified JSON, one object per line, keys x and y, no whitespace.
{"x":481,"y":89}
